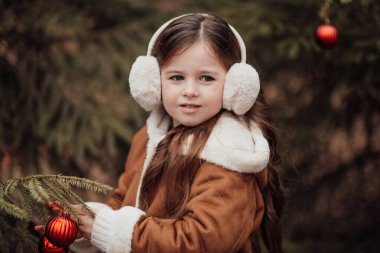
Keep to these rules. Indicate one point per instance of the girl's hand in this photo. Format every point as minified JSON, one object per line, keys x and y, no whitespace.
{"x":85,"y":221}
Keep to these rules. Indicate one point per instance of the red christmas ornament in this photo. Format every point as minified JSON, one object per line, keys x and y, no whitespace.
{"x":326,"y":36}
{"x":61,"y":230}
{"x":44,"y":246}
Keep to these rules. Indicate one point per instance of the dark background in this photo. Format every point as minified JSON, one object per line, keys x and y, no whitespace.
{"x":65,"y":105}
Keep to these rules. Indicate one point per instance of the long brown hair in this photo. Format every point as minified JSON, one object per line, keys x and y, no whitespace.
{"x":175,"y":171}
{"x":272,"y":193}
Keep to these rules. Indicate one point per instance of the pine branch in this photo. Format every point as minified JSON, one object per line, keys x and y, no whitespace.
{"x":15,"y":234}
{"x":42,"y":214}
{"x":24,"y":199}
{"x":10,"y":186}
{"x":13,"y":210}
{"x":83,"y":183}
{"x":37,"y":190}
{"x":64,"y":186}
{"x":27,"y":202}
{"x":57,"y":194}
{"x":86,"y":184}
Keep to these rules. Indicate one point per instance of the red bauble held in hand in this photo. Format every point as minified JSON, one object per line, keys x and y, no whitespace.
{"x":61,"y":231}
{"x":326,"y":36}
{"x":44,"y":246}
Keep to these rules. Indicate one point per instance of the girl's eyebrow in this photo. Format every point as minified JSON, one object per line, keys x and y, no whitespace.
{"x":209,"y":71}
{"x":173,"y":71}
{"x":205,"y":71}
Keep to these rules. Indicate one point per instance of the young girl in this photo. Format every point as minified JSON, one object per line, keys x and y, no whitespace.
{"x":200,"y":175}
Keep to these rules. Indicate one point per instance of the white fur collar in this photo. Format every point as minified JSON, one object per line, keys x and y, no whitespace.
{"x":231,"y":144}
{"x":236,"y":147}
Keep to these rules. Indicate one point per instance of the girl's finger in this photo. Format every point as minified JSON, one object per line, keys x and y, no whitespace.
{"x":79,"y":234}
{"x":56,"y":207}
{"x":55,"y":204}
{"x":79,"y":209}
{"x":39,"y":228}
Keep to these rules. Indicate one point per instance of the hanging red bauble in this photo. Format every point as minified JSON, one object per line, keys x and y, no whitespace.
{"x":326,"y":35}
{"x":61,"y":230}
{"x":44,"y":246}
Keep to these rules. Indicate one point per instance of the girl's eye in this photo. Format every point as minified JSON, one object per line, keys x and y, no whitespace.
{"x":177,"y":78}
{"x":207,"y":78}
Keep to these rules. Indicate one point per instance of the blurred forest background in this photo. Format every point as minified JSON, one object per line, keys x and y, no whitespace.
{"x":65,"y":106}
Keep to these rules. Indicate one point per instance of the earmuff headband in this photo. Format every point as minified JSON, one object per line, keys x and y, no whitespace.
{"x":241,"y":86}
{"x":152,"y":41}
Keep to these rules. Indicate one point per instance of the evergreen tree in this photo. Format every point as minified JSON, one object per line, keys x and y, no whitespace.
{"x":64,"y":71}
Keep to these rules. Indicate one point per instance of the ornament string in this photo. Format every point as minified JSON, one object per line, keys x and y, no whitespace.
{"x":324,"y":11}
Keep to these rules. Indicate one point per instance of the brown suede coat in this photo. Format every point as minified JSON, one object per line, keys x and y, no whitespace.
{"x":224,"y":209}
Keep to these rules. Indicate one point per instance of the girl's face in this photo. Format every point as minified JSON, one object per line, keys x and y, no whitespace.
{"x":192,"y":85}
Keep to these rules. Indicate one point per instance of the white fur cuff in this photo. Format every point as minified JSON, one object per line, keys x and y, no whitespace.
{"x":97,"y":206}
{"x":113,"y":230}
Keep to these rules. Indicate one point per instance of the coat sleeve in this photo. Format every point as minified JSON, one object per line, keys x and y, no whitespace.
{"x":220,"y":216}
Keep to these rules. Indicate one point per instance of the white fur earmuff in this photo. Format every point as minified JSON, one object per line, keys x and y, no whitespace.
{"x":145,"y":82}
{"x":241,"y":88}
{"x":240,"y":98}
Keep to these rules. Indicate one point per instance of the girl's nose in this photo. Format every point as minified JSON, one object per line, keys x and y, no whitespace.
{"x":190,"y":89}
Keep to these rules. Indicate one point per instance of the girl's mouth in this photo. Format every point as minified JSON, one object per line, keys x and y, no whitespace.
{"x":190,"y":108}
